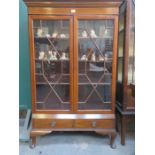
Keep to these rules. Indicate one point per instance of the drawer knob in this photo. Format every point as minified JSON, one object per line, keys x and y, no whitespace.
{"x":73,"y":10}
{"x":53,"y":124}
{"x":94,"y":124}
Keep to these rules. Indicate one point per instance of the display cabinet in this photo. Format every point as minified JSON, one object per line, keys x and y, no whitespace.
{"x":73,"y":53}
{"x":125,"y":97}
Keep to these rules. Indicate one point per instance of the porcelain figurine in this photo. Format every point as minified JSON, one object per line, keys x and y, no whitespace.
{"x":84,"y":34}
{"x":84,"y":57}
{"x":89,"y":53}
{"x":93,"y":57}
{"x":39,"y":32}
{"x":101,"y":58}
{"x":62,"y":35}
{"x":48,"y":35}
{"x":50,"y":55}
{"x":50,"y":52}
{"x":41,"y":55}
{"x":63,"y":57}
{"x":106,"y":56}
{"x":45,"y":57}
{"x":54,"y":35}
{"x":92,"y":34}
{"x":55,"y":55}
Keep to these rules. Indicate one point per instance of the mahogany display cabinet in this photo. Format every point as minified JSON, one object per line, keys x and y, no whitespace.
{"x":125,"y":94}
{"x":73,"y":53}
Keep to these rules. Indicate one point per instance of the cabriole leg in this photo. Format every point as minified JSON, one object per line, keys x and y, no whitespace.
{"x":112,"y":140}
{"x":32,"y":142}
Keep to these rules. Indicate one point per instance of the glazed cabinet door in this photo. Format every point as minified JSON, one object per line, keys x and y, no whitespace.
{"x":95,"y":56}
{"x":51,"y":62}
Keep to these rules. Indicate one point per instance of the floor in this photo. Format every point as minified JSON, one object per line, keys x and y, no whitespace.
{"x":78,"y":143}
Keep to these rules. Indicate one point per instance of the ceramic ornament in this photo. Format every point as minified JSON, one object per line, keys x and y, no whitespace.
{"x":62,"y":36}
{"x":41,"y":55}
{"x":54,"y":35}
{"x":39,"y":32}
{"x":84,"y":34}
{"x":101,"y":58}
{"x":84,"y":57}
{"x":55,"y":55}
{"x":92,"y":34}
{"x":50,"y":53}
{"x":93,"y":57}
{"x":63,"y":57}
{"x":48,"y":35}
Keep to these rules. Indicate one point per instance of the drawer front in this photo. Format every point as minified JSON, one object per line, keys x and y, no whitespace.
{"x":106,"y":124}
{"x":52,"y":123}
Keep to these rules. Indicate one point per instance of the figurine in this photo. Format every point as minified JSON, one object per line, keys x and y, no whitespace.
{"x":45,"y":57}
{"x":106,"y":56}
{"x":93,"y":57}
{"x":63,"y":57}
{"x":101,"y":58}
{"x":39,"y":32}
{"x":84,"y":57}
{"x":89,"y":53}
{"x":84,"y":34}
{"x":41,"y":55}
{"x":55,"y":55}
{"x":54,"y":35}
{"x":50,"y":53}
{"x":92,"y":34}
{"x":62,"y":35}
{"x":48,"y":35}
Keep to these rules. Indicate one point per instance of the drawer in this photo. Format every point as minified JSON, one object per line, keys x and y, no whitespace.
{"x":106,"y":124}
{"x":52,"y":123}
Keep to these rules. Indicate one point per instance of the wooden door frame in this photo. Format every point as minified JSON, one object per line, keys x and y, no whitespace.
{"x":32,"y":62}
{"x":114,"y":63}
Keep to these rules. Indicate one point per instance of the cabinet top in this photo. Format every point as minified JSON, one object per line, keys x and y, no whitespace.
{"x":73,"y":3}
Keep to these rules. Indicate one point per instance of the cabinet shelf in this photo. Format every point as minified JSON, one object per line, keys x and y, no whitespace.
{"x":66,"y":83}
{"x":87,"y":38}
{"x":51,"y":38}
{"x":47,"y":40}
{"x":90,"y":61}
{"x":52,"y":60}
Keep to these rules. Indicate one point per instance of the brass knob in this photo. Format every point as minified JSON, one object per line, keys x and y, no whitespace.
{"x":73,"y":11}
{"x":94,"y":124}
{"x":53,"y":124}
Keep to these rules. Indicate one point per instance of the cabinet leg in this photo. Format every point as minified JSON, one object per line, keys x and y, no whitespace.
{"x":123,"y":129}
{"x":117,"y":121}
{"x":112,"y":141}
{"x":32,"y":142}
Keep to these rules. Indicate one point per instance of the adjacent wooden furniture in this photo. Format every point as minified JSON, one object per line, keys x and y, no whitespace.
{"x":73,"y":52}
{"x":125,"y":104}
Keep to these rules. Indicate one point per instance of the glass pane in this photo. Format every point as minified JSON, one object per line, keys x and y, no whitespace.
{"x":120,"y":60}
{"x":95,"y":50}
{"x":121,"y":48}
{"x":51,"y":38}
{"x":131,"y":65}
